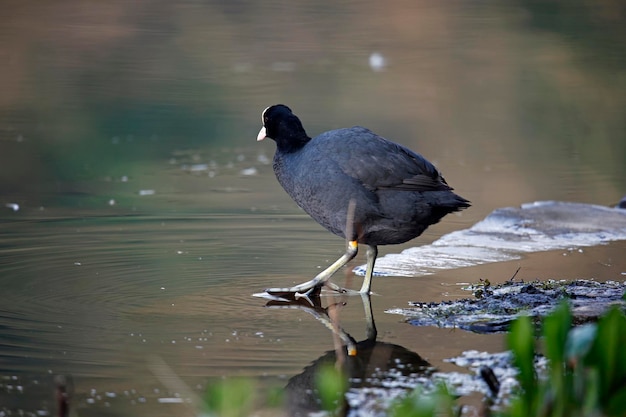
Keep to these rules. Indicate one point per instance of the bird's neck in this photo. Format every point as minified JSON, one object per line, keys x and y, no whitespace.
{"x":292,"y":143}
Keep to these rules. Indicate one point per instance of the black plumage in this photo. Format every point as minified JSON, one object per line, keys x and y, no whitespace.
{"x":396,"y":193}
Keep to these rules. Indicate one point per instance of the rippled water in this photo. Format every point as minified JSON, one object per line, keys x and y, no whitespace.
{"x":138,"y":215}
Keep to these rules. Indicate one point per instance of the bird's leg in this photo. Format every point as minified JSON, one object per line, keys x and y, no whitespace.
{"x":369,"y":317}
{"x":304,"y":289}
{"x":372,"y":253}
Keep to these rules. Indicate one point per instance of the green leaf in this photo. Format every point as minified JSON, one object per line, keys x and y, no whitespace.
{"x":579,"y":342}
{"x":417,"y":404}
{"x":521,"y":341}
{"x":331,"y":384}
{"x":555,"y":329}
{"x":617,"y":403}
{"x":232,"y":397}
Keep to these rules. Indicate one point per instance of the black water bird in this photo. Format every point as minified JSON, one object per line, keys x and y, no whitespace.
{"x":357,"y":185}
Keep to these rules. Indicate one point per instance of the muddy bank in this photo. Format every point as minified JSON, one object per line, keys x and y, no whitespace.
{"x":492,"y":308}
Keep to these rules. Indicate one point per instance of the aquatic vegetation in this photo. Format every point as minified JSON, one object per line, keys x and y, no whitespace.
{"x":586,"y":369}
{"x":233,"y":397}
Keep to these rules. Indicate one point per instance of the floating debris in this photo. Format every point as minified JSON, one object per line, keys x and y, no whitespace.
{"x":377,"y":62}
{"x":146,"y":192}
{"x":249,"y":171}
{"x":198,"y":167}
{"x":170,"y":400}
{"x":263,"y":159}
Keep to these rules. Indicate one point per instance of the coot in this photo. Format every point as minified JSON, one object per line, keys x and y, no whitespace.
{"x":357,"y":185}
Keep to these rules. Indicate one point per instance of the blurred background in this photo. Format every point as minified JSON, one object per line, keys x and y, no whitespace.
{"x":102,"y":89}
{"x":134,"y":199}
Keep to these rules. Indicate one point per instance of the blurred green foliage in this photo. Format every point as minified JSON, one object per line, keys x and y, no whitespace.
{"x":232,"y":397}
{"x":419,"y":404}
{"x":164,"y":75}
{"x":332,"y":384}
{"x":586,"y":366}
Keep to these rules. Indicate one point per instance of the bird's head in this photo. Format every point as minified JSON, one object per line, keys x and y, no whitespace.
{"x":284,"y":127}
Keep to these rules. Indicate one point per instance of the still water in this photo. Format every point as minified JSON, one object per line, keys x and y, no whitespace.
{"x":138,"y":215}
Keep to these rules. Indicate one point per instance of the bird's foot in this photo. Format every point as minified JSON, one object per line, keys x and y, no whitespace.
{"x":303,"y":292}
{"x":292,"y":294}
{"x":341,"y":290}
{"x":306,"y":291}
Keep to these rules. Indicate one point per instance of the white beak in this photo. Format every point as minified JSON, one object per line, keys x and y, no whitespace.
{"x":262,"y":134}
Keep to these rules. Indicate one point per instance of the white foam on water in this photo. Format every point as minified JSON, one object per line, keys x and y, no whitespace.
{"x":508,"y":233}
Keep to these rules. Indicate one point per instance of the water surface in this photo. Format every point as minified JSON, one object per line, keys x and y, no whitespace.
{"x":139,"y":215}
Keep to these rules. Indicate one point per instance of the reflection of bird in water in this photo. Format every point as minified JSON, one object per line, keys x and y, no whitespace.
{"x":396,"y":193}
{"x":364,"y":364}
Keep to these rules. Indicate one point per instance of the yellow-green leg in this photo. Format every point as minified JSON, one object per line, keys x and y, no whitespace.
{"x":372,"y":253}
{"x":304,"y":289}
